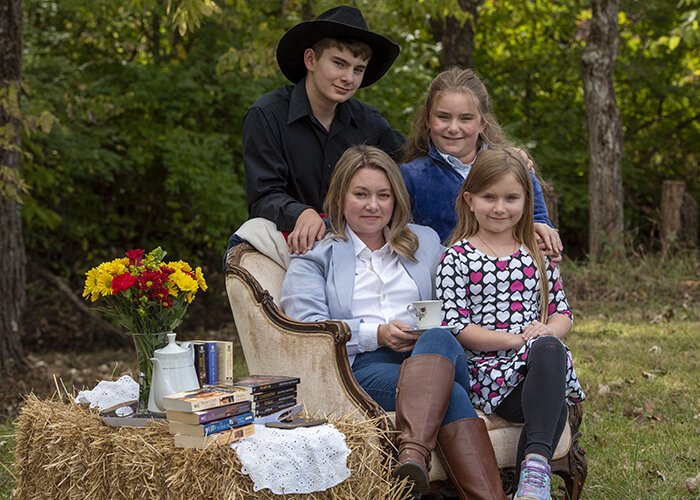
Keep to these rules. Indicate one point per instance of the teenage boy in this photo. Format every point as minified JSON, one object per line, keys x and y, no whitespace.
{"x":294,"y":135}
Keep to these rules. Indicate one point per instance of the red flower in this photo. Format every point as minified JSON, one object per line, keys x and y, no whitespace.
{"x":161,"y":294}
{"x":149,"y":279}
{"x":135,"y":256}
{"x":122,"y":282}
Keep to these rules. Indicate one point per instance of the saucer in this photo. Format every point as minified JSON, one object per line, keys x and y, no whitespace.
{"x":418,"y":331}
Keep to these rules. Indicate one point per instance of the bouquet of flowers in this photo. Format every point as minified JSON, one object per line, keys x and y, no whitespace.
{"x":143,"y":293}
{"x":148,"y":297}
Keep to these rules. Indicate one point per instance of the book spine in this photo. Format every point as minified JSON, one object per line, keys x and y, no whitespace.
{"x":225,"y":411}
{"x":264,"y":396}
{"x":290,"y":399}
{"x":227,"y":423}
{"x":274,"y":385}
{"x":224,"y":351}
{"x":212,"y":368}
{"x":200,"y":362}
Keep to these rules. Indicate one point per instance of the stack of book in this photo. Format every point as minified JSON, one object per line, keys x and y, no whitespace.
{"x":269,"y":393}
{"x":213,"y":414}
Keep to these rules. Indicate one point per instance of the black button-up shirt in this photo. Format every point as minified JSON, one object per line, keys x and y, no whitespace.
{"x":289,"y":156}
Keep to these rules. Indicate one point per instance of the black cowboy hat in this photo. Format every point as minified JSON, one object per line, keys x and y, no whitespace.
{"x":338,"y":22}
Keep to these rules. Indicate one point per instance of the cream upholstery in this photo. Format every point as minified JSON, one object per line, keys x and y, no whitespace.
{"x":274,"y":344}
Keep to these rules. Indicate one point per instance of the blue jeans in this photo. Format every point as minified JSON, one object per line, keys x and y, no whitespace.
{"x":377,"y":372}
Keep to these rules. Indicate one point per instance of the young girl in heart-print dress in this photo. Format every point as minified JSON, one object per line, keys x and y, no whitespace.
{"x":491,"y":280}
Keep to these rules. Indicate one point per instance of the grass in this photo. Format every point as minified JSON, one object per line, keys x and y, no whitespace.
{"x":7,"y":443}
{"x":635,"y":347}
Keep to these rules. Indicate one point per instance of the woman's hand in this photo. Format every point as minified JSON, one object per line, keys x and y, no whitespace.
{"x":537,"y":329}
{"x":395,"y":337}
{"x":549,"y":241}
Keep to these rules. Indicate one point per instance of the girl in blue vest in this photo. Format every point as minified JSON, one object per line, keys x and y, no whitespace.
{"x":454,"y":124}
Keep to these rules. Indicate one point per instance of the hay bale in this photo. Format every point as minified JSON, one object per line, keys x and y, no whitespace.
{"x":65,"y":451}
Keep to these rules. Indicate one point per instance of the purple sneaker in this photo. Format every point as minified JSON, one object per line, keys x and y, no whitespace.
{"x":534,"y":481}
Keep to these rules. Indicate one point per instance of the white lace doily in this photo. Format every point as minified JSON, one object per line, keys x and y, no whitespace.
{"x":301,"y":460}
{"x":108,"y":394}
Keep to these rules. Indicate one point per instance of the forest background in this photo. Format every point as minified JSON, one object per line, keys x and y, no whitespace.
{"x":145,"y":147}
{"x":132,"y":138}
{"x":132,"y":115}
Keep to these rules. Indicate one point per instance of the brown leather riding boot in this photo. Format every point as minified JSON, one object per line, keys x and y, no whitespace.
{"x":469,"y":460}
{"x":422,"y":395}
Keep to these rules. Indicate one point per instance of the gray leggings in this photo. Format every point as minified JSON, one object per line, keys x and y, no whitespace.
{"x":538,"y":400}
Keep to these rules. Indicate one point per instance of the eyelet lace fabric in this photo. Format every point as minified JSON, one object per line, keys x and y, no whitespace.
{"x":108,"y":394}
{"x":302,"y":460}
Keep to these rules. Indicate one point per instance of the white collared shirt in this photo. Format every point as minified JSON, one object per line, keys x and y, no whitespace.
{"x":382,"y":290}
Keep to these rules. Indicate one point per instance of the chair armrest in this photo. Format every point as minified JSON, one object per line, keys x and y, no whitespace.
{"x":274,"y":344}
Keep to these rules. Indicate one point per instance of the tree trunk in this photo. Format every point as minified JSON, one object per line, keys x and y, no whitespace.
{"x":606,"y":219}
{"x":12,"y":256}
{"x":671,"y":204}
{"x":457,"y":41}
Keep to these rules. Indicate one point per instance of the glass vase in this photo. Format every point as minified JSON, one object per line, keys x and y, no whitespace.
{"x":146,"y":344}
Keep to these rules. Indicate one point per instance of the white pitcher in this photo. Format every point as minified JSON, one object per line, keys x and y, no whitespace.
{"x":173,"y":371}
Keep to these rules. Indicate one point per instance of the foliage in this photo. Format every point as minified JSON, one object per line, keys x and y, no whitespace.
{"x":146,"y":147}
{"x":143,"y":293}
{"x":668,"y":287}
{"x":144,"y":152}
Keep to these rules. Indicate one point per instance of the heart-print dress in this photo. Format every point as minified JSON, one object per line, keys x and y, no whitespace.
{"x":499,"y":294}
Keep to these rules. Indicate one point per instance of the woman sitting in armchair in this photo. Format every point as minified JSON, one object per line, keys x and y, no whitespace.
{"x":370,"y":266}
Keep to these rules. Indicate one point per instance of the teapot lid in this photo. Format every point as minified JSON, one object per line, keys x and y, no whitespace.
{"x":171,"y":348}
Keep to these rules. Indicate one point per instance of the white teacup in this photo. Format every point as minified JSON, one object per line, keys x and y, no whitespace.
{"x":428,"y":313}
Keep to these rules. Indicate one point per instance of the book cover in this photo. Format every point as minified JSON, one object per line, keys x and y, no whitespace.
{"x":259,"y":383}
{"x":204,"y":416}
{"x":226,"y":437}
{"x":205,"y":398}
{"x":212,"y":364}
{"x":200,"y":361}
{"x":211,"y":427}
{"x":272,"y":394}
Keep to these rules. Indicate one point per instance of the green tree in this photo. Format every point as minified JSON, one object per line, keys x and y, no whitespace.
{"x":12,"y":263}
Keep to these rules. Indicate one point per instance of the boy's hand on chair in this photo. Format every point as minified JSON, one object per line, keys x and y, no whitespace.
{"x":308,"y":229}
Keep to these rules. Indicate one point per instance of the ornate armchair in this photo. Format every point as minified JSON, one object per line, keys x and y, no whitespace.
{"x":274,"y":344}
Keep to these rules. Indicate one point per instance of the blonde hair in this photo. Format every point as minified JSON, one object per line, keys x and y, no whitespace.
{"x":454,"y":79}
{"x":489,"y":167}
{"x":401,"y":239}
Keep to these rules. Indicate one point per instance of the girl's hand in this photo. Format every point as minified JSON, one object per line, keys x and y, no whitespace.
{"x":549,"y":241}
{"x":395,"y":337}
{"x":537,"y":329}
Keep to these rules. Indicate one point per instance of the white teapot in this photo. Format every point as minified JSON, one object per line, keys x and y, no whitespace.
{"x":173,"y":371}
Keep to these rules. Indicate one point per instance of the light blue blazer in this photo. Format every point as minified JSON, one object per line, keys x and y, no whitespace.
{"x":318,"y":285}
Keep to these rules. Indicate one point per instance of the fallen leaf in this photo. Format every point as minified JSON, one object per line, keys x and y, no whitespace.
{"x":692,"y":484}
{"x":657,"y":473}
{"x":603,"y":390}
{"x":655,"y":349}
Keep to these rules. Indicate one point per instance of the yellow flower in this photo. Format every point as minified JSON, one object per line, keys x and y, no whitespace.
{"x":199,"y":276}
{"x":98,"y":282}
{"x":180,"y":265}
{"x":185,"y":283}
